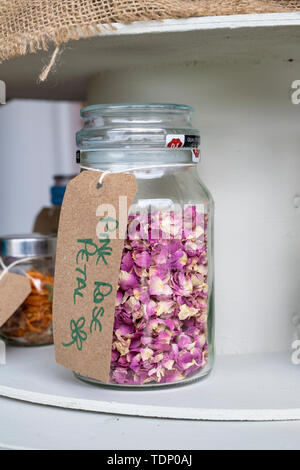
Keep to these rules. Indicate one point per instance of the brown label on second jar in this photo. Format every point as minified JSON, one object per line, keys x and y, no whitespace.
{"x":14,"y":290}
{"x":90,"y":243}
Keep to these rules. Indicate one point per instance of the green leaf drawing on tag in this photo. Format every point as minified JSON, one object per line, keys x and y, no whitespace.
{"x":77,"y":333}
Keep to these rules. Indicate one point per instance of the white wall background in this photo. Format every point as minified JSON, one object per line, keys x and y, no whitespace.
{"x":251,"y":163}
{"x":37,"y":140}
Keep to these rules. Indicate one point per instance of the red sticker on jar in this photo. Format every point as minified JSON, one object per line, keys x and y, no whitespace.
{"x":188,"y":141}
{"x":175,"y":141}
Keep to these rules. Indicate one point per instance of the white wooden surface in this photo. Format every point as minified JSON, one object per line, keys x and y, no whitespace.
{"x":27,"y":426}
{"x":241,"y":388}
{"x":205,"y":23}
{"x":221,"y":39}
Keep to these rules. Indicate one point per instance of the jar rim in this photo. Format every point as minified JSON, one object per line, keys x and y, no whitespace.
{"x":139,"y":107}
{"x":27,"y":245}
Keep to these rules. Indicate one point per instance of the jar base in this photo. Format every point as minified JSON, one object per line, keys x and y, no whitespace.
{"x":201,"y":375}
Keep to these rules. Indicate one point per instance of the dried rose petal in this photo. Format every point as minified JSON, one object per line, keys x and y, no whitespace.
{"x":127,"y":262}
{"x":187,"y":312}
{"x":127,"y":281}
{"x":143,"y":259}
{"x":158,"y":288}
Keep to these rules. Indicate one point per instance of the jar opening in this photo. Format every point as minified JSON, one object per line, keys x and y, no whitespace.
{"x":127,"y":108}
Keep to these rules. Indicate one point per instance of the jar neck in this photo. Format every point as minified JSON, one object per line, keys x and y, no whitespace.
{"x":124,"y":160}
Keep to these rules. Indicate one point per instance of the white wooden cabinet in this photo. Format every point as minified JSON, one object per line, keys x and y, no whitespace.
{"x":238,"y":73}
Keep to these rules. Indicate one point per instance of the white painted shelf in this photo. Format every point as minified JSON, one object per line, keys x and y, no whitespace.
{"x":241,"y":388}
{"x":27,"y":426}
{"x":212,"y":39}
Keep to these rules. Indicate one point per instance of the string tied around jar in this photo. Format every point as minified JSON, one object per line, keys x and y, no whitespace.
{"x":6,"y":269}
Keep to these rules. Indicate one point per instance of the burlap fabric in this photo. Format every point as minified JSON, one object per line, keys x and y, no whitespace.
{"x":31,"y":25}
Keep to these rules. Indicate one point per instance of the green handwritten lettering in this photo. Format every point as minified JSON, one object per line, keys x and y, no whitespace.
{"x":95,"y":323}
{"x":90,"y":249}
{"x":104,"y":250}
{"x":102,"y":290}
{"x":111,"y":224}
{"x":81,"y":283}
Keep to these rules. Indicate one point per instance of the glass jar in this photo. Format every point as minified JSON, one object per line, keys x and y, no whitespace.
{"x":34,"y":256}
{"x":164,"y":314}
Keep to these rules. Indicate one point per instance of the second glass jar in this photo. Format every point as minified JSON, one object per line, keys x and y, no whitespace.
{"x":34,"y":255}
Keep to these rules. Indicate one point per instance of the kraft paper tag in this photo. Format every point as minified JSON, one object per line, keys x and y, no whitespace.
{"x":47,"y":220}
{"x":14,"y":290}
{"x":91,"y":234}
